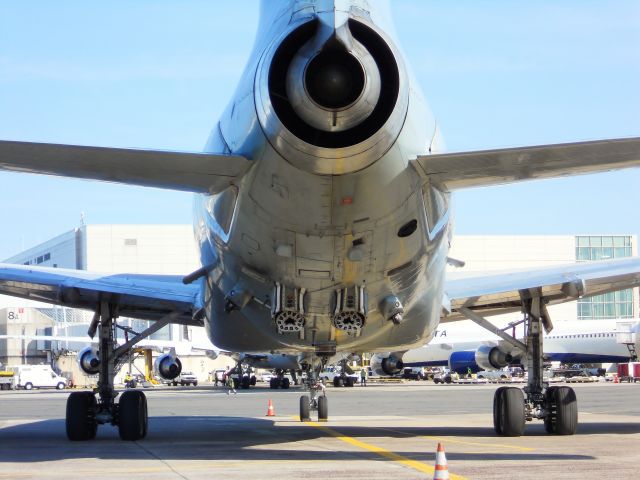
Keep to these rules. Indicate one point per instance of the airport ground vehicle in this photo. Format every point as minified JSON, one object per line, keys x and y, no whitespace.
{"x":184,"y":379}
{"x":413,"y":373}
{"x":446,"y":376}
{"x":629,"y":372}
{"x":6,"y":380}
{"x":38,"y":376}
{"x":494,"y":375}
{"x":335,"y":375}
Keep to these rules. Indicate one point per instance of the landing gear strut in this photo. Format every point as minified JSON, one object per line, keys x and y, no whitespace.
{"x":512,"y":408}
{"x":344,"y":380}
{"x":87,"y":410}
{"x":317,"y":399}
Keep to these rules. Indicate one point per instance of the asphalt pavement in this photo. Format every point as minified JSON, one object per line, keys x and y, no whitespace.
{"x":379,"y":431}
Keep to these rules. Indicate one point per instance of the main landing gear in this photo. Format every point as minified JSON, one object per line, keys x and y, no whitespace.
{"x":512,"y":407}
{"x":86,"y":410}
{"x":279,"y":380}
{"x":317,"y":399}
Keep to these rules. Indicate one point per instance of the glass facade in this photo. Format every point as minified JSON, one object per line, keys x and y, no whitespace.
{"x":610,"y":305}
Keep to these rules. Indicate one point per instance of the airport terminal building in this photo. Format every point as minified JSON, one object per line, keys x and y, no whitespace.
{"x":171,"y":249}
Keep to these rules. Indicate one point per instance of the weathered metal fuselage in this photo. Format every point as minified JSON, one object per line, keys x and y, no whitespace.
{"x":332,"y":241}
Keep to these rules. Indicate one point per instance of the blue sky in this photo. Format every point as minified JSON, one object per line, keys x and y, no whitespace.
{"x":157,"y":74}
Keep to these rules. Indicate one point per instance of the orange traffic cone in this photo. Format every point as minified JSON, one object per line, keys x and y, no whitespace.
{"x":442,"y":470}
{"x":615,"y":378}
{"x":270,"y":410}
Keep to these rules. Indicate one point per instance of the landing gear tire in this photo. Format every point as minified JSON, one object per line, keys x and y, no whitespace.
{"x":246,"y":383}
{"x":566,"y":411}
{"x":349,"y":382}
{"x":323,"y":409}
{"x":497,"y":406}
{"x":81,"y":416}
{"x":253,"y":380}
{"x":337,"y":382}
{"x":550,"y":419}
{"x":132,"y":418}
{"x":509,"y":415}
{"x":304,"y":408}
{"x":285,"y":383}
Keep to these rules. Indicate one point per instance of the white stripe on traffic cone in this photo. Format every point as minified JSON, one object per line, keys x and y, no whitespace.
{"x":442,"y":470}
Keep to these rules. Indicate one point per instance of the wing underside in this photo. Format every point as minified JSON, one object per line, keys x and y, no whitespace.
{"x":454,"y":171}
{"x":148,"y":297}
{"x":504,"y":292}
{"x":186,"y":171}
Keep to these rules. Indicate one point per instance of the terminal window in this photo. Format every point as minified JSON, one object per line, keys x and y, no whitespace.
{"x":610,"y":305}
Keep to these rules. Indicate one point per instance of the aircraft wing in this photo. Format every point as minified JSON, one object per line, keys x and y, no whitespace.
{"x":148,"y":297}
{"x":454,"y":171}
{"x":503,"y":292}
{"x":191,"y":172}
{"x":181,"y":348}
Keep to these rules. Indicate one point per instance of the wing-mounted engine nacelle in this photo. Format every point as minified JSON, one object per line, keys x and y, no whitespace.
{"x":490,"y":357}
{"x":167,"y":366}
{"x":486,"y":357}
{"x":89,"y":360}
{"x":386,"y":364}
{"x":462,"y":362}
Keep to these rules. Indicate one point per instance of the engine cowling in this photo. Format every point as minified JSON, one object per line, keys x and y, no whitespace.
{"x":490,"y":357}
{"x":89,"y":360}
{"x":486,"y":357}
{"x":167,"y":366}
{"x":386,"y":364}
{"x":332,"y":93}
{"x":461,"y":362}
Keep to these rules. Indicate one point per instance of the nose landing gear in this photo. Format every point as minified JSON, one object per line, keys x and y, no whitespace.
{"x":317,"y":399}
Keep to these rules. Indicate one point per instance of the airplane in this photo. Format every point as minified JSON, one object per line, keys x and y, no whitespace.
{"x":323,"y":217}
{"x":464,"y":345}
{"x":169,"y":353}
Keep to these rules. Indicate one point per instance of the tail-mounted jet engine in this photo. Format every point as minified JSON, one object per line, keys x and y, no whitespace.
{"x":389,"y":364}
{"x":167,"y":366}
{"x":287,"y":309}
{"x":351,"y":309}
{"x":329,"y":90}
{"x":89,"y":360}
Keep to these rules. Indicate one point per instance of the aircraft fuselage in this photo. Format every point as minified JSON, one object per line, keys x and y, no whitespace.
{"x":332,"y":241}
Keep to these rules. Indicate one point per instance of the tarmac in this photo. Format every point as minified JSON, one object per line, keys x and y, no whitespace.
{"x":377,"y":432}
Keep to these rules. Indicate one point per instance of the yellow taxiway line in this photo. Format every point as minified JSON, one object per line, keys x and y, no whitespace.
{"x":407,"y":462}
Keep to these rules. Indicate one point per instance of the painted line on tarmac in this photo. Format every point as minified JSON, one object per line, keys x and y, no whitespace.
{"x":463,"y":442}
{"x":407,"y":462}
